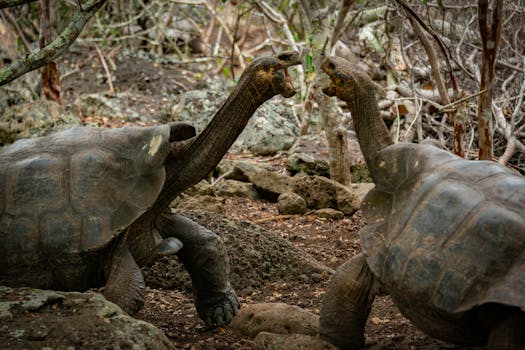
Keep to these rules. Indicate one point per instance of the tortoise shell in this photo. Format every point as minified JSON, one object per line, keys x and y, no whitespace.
{"x":74,"y":191}
{"x":445,"y":235}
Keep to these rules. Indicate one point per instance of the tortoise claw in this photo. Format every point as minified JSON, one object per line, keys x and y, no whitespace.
{"x":221,"y":312}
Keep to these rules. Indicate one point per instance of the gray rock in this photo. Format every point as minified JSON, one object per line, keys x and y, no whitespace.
{"x":102,"y":105}
{"x":257,"y":256}
{"x":274,"y":318}
{"x":234,"y":188}
{"x":273,"y":341}
{"x":239,"y":170}
{"x":291,"y":203}
{"x":270,"y":184}
{"x":321,"y":192}
{"x":34,"y":318}
{"x":34,"y":119}
{"x":309,"y":154}
{"x":203,"y":203}
{"x":329,"y":213}
{"x":271,"y":129}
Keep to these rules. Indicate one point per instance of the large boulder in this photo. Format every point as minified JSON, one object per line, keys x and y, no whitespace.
{"x":34,"y":119}
{"x":271,"y":129}
{"x":309,"y":154}
{"x":257,"y":256}
{"x":39,"y":319}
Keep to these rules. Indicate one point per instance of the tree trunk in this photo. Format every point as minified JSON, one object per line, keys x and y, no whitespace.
{"x":336,"y":134}
{"x":490,"y":35}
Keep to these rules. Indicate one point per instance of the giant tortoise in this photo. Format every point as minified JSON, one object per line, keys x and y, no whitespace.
{"x":86,"y":207}
{"x":444,"y":237}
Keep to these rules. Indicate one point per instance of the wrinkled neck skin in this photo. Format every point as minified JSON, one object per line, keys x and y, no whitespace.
{"x":371,"y":131}
{"x":200,"y":158}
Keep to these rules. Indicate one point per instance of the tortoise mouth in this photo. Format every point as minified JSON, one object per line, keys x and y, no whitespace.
{"x":329,"y":69}
{"x":288,"y":59}
{"x":330,"y":89}
{"x":289,"y":89}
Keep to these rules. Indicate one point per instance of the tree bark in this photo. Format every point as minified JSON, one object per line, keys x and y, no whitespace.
{"x":336,"y":134}
{"x":490,"y":35}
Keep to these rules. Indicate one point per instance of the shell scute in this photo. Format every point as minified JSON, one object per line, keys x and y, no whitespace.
{"x":35,"y":185}
{"x":96,"y":232}
{"x":59,"y":234}
{"x":74,"y":191}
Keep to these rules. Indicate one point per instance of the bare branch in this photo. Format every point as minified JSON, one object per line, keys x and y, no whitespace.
{"x":13,"y":3}
{"x":54,"y":49}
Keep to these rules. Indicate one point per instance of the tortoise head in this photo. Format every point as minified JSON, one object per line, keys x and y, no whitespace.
{"x":346,"y":82}
{"x":269,"y":75}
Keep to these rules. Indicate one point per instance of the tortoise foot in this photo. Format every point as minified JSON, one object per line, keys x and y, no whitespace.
{"x":219,"y":312}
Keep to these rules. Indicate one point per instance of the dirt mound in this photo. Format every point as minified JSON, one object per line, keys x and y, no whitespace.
{"x":256,"y":256}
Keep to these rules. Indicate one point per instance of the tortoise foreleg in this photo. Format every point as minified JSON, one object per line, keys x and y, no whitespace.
{"x":206,"y":260}
{"x":346,"y":304}
{"x":125,"y":283}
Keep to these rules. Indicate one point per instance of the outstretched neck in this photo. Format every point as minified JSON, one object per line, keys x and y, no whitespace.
{"x":200,"y":158}
{"x":372,"y":133}
{"x":203,"y":155}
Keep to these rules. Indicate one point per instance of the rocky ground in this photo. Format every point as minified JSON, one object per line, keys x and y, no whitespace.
{"x":323,"y":241}
{"x":330,"y":242}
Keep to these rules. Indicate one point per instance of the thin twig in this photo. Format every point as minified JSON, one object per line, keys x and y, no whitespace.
{"x":108,"y":73}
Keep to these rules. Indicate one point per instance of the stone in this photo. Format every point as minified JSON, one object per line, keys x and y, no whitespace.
{"x":234,"y":188}
{"x":320,"y":192}
{"x":291,"y":203}
{"x":309,"y":154}
{"x":205,"y":203}
{"x":238,"y":170}
{"x":36,"y":319}
{"x":273,"y":341}
{"x":34,"y":119}
{"x":274,"y":318}
{"x":271,"y":129}
{"x":329,"y":213}
{"x":103,"y":105}
{"x":271,"y":184}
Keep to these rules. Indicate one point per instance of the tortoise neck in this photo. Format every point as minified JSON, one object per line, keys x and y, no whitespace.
{"x":371,"y":131}
{"x":200,"y":158}
{"x":203,"y":155}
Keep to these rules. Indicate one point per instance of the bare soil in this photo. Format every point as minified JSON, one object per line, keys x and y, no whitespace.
{"x":331,"y":242}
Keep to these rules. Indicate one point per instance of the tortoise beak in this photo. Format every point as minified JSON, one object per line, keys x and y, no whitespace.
{"x":329,"y":68}
{"x":288,"y":59}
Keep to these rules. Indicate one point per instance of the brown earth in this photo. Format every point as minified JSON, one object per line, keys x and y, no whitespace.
{"x":331,"y":242}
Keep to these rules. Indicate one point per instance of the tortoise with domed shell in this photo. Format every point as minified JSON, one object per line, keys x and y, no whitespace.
{"x":444,"y":237}
{"x":87,"y":207}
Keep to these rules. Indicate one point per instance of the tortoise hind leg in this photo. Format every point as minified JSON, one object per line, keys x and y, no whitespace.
{"x":346,"y":304}
{"x":206,"y":260}
{"x":125,"y":283}
{"x":509,"y":334}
